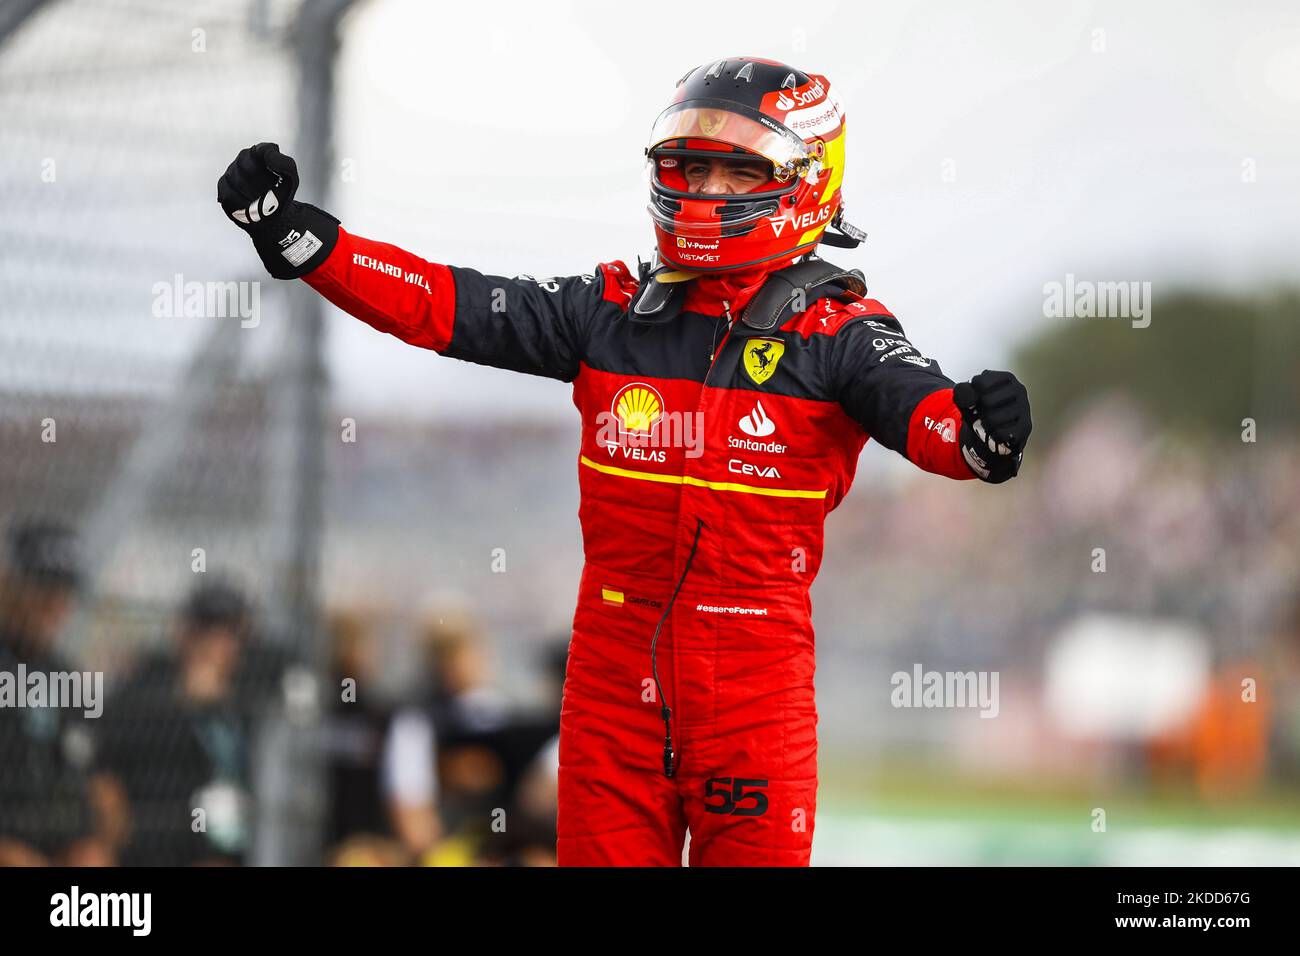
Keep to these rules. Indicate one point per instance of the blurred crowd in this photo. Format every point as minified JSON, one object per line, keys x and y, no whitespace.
{"x":451,"y":775}
{"x":1142,"y":606}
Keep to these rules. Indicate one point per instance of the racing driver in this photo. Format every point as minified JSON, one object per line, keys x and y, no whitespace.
{"x":726,"y":390}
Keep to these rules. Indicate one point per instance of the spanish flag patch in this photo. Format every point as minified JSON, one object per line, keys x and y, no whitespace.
{"x":610,"y":596}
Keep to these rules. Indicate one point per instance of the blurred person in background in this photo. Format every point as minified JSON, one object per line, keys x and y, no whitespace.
{"x":726,"y":392}
{"x":534,"y":799}
{"x":1246,"y":721}
{"x":177,"y":738}
{"x":454,"y":760}
{"x":54,"y":808}
{"x":354,"y":733}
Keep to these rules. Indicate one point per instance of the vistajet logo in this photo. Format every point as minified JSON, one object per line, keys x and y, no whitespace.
{"x":128,"y":910}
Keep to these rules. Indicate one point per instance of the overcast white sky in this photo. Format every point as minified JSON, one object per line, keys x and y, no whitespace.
{"x":509,"y":137}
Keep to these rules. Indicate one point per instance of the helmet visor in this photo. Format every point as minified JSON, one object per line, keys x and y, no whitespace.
{"x":734,"y":125}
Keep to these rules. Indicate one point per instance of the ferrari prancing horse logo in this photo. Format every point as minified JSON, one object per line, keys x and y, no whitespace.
{"x":761,"y":356}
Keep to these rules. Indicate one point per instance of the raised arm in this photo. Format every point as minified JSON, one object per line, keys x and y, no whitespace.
{"x":975,"y":429}
{"x":534,"y":326}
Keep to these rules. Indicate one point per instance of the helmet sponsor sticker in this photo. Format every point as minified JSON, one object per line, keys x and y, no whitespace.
{"x":787,"y":99}
{"x":809,"y":94}
{"x":711,"y":122}
{"x":803,"y":221}
{"x":815,"y":120}
{"x":695,"y":251}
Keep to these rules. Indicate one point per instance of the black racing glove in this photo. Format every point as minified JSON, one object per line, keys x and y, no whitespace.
{"x":995,"y":424}
{"x":256,"y":192}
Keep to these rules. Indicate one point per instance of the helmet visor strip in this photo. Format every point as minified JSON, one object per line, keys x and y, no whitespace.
{"x":734,"y":125}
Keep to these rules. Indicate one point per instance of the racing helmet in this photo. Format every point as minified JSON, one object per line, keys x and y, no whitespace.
{"x":753,"y":109}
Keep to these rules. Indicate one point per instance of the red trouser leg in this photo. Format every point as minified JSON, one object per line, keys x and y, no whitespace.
{"x":723,"y":834}
{"x":749,"y":756}
{"x":618,"y":816}
{"x":745,"y":726}
{"x":616,"y":807}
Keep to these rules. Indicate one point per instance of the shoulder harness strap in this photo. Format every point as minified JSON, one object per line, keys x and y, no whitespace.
{"x":660,"y":296}
{"x":801,"y":280}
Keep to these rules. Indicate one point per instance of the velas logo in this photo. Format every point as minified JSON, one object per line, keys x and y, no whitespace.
{"x":802,"y":221}
{"x":760,"y":358}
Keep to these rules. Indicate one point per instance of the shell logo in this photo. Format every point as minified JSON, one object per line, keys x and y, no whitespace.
{"x":638,"y":407}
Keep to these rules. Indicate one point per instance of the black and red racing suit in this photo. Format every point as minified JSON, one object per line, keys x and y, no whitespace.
{"x":710,"y":457}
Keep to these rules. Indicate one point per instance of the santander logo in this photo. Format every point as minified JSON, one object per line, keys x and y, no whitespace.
{"x":810,"y":95}
{"x":756,"y":423}
{"x":787,"y":100}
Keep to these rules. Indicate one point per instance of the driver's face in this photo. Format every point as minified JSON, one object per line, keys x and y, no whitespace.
{"x":717,"y":177}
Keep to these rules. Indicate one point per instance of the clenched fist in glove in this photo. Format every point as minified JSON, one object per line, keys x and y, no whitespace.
{"x":995,"y":424}
{"x":257,"y":192}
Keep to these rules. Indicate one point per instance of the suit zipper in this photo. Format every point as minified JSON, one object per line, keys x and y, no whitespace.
{"x":670,"y":756}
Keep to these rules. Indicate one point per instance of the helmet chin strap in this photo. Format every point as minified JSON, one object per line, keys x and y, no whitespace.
{"x":678,"y":275}
{"x":845,"y":236}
